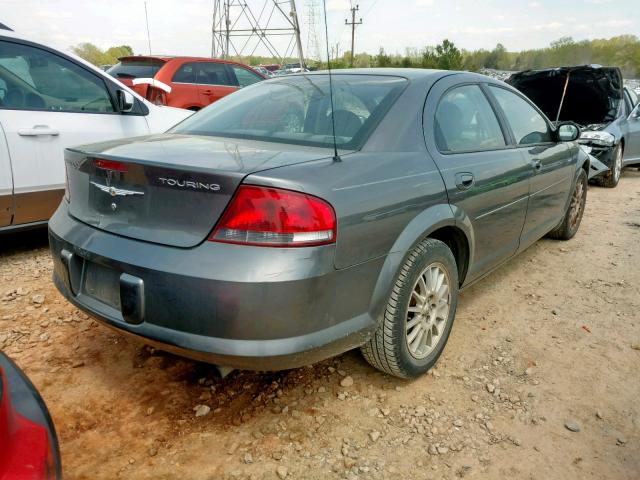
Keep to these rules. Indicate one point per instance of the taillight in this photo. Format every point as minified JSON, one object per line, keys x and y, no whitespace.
{"x":156,"y":96}
{"x":274,"y":217}
{"x":67,"y":195}
{"x":110,"y":165}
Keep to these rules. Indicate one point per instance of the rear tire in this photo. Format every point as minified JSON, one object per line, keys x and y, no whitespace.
{"x":611,"y":179}
{"x":573,"y":216}
{"x":419,"y":313}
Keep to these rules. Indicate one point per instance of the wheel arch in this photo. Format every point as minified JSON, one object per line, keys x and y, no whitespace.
{"x":436,"y":222}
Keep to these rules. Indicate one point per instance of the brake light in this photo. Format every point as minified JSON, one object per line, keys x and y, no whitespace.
{"x":156,"y":96}
{"x":274,"y":217}
{"x":67,"y":195}
{"x":110,"y":165}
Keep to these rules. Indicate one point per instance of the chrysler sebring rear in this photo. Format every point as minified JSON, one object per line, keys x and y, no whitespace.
{"x":241,"y":238}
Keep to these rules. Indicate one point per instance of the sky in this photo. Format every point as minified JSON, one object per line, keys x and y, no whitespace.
{"x":183,"y":27}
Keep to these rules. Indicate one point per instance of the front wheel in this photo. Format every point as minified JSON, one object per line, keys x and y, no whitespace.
{"x":419,"y":313}
{"x":573,"y":216}
{"x":611,"y":179}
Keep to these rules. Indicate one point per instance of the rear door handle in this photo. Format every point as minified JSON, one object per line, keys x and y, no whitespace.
{"x":37,"y":130}
{"x":207,"y":92}
{"x":537,"y":164}
{"x":464,"y":180}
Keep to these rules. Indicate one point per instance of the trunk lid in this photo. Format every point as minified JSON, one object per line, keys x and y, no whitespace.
{"x":602,"y":86}
{"x":169,"y":189}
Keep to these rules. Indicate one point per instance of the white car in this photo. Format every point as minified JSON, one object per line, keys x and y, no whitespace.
{"x":49,"y":101}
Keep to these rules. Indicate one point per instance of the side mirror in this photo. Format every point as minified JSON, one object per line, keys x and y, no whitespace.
{"x":568,"y":132}
{"x":636,"y":112}
{"x":125,"y":101}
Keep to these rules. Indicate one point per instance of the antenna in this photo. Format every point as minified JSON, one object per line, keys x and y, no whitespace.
{"x":336,"y":157}
{"x":146,"y":17}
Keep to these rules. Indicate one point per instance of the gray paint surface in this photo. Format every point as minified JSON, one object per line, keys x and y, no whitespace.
{"x":297,"y":305}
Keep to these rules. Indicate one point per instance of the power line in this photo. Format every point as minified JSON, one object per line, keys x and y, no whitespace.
{"x":239,"y":30}
{"x":353,"y":24}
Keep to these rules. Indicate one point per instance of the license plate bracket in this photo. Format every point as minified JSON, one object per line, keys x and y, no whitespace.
{"x":101,"y":283}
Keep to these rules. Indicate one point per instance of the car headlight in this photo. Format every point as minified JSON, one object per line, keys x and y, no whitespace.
{"x":604,"y":139}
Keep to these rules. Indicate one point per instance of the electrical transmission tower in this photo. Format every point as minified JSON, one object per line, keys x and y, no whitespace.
{"x":313,"y":44}
{"x":242,"y":27}
{"x":353,"y":24}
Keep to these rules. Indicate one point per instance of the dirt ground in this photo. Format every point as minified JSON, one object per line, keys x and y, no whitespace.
{"x":549,"y":340}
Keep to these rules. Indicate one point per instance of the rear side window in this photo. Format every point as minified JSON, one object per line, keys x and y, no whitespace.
{"x":465,"y":121}
{"x":143,"y":68}
{"x":245,"y":77}
{"x":35,"y":79}
{"x":185,"y":74}
{"x":527,"y":124}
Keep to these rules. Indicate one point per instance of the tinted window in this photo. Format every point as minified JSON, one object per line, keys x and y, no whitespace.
{"x":34,"y":79}
{"x":213,"y":74}
{"x":527,"y":124}
{"x":146,"y":68}
{"x":297,"y":109}
{"x":185,"y":74}
{"x":245,"y":77}
{"x":465,"y":121}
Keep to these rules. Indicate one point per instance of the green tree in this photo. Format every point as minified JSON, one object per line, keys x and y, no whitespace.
{"x":97,"y":56}
{"x":382,"y":59}
{"x":448,"y":55}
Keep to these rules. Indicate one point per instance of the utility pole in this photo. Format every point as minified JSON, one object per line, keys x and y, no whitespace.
{"x":353,"y":24}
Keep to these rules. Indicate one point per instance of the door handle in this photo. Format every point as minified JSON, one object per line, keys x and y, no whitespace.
{"x":537,"y":164}
{"x":37,"y":130}
{"x":207,"y":92}
{"x":464,"y":180}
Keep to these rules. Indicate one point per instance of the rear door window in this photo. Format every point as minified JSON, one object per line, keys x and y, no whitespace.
{"x":465,"y":121}
{"x":210,"y":73}
{"x":528,"y":125}
{"x":35,"y":79}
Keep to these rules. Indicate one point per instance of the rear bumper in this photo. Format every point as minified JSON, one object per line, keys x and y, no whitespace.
{"x":239,"y":306}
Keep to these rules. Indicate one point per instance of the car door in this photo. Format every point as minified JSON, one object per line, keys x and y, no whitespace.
{"x":552,"y":163}
{"x":215,"y":80}
{"x":6,"y":177}
{"x":632,"y":145}
{"x":184,"y":87}
{"x":51,"y":102}
{"x":487,"y":180}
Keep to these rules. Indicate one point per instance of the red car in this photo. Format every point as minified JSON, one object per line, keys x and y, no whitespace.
{"x":183,"y":82}
{"x":28,"y":442}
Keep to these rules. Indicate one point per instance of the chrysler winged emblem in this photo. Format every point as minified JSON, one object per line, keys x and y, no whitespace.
{"x":115,"y":192}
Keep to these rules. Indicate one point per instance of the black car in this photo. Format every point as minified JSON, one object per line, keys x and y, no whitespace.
{"x":595,"y":98}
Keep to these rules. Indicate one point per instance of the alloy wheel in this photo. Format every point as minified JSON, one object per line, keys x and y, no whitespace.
{"x":617,"y":165}
{"x":428,"y":311}
{"x":577,"y":204}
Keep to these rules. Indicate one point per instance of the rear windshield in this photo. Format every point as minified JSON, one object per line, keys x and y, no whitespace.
{"x":136,"y":68}
{"x":296,"y":109}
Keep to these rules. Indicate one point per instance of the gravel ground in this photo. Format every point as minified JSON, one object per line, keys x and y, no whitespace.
{"x":540,"y":380}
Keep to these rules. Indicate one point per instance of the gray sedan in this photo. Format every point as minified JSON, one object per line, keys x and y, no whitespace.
{"x":242,"y":238}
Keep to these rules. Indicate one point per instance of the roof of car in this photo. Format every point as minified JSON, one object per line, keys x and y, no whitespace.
{"x":166,"y":58}
{"x":409,"y":73}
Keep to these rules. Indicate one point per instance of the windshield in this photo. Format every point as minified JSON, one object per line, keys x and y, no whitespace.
{"x":297,"y":109}
{"x":146,"y":68}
